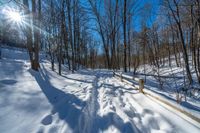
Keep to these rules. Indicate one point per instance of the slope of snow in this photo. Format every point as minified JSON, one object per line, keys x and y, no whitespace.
{"x":85,"y":102}
{"x":173,"y":80}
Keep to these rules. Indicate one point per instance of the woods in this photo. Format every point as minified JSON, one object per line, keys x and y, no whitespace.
{"x":113,"y":34}
{"x":89,"y":66}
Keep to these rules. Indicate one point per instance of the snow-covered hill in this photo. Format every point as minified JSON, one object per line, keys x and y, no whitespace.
{"x":85,"y":102}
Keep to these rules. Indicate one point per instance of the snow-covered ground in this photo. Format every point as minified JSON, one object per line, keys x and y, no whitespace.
{"x":85,"y":102}
{"x":173,"y":80}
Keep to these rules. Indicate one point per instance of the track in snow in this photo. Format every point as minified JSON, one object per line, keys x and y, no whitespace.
{"x":88,"y":101}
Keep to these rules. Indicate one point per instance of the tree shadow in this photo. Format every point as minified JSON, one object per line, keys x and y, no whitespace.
{"x":112,"y":119}
{"x":73,"y":110}
{"x":63,"y":103}
{"x":154,"y":84}
{"x":102,"y":123}
{"x":8,"y":82}
{"x":79,"y":80}
{"x":184,"y":104}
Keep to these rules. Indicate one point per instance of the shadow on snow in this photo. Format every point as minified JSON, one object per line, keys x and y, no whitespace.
{"x":65,"y":105}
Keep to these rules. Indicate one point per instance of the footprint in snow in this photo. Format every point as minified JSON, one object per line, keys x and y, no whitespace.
{"x":130,"y":114}
{"x":53,"y":129}
{"x":113,"y":108}
{"x":65,"y":87}
{"x":147,"y":111}
{"x":47,"y":120}
{"x":53,"y":111}
{"x":41,"y":130}
{"x":84,"y":89}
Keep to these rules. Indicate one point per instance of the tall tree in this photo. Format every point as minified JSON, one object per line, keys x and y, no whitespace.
{"x":176,"y":15}
{"x":32,"y":33}
{"x":124,"y":32}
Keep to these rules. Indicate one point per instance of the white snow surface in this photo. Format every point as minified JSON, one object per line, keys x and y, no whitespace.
{"x":88,"y":101}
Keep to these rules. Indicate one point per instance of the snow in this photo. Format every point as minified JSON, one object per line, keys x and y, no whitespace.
{"x":173,"y":79}
{"x":88,"y":101}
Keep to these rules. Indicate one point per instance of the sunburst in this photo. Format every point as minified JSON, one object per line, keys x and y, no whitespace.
{"x":14,"y":16}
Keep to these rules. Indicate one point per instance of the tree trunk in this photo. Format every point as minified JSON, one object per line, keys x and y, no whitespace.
{"x":70,"y":32}
{"x":124,"y":28}
{"x":185,"y":55}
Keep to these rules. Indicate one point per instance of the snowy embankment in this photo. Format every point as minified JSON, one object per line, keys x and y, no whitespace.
{"x":172,"y":80}
{"x":85,"y":102}
{"x":189,"y":111}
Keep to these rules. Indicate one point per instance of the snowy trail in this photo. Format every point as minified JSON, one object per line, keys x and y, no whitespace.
{"x":86,"y":121}
{"x":91,"y":121}
{"x":146,"y":114}
{"x":85,"y":102}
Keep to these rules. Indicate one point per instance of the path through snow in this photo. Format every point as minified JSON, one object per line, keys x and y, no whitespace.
{"x":85,"y":102}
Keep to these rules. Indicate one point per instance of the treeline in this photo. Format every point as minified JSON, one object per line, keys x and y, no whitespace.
{"x":174,"y":35}
{"x":69,"y":32}
{"x":184,"y":20}
{"x":102,"y":33}
{"x":61,"y":28}
{"x":68,"y":37}
{"x":178,"y":31}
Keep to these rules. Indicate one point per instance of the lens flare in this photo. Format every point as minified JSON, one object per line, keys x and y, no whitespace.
{"x":18,"y":19}
{"x":15,"y":16}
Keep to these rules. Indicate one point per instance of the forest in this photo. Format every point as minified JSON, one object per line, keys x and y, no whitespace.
{"x":79,"y":33}
{"x":86,"y":50}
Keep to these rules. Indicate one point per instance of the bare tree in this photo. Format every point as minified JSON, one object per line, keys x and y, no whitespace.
{"x":176,"y":15}
{"x":32,"y":33}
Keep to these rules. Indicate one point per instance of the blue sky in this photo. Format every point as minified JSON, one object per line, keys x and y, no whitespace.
{"x":147,"y":16}
{"x":150,"y":17}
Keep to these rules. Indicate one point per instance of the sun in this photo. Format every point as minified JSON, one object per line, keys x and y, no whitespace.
{"x":15,"y":16}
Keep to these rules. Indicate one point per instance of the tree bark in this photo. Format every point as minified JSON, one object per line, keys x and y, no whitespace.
{"x":124,"y":28}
